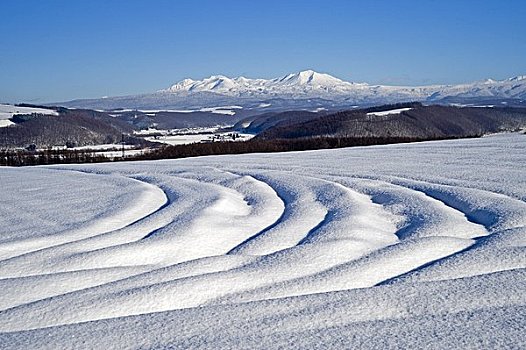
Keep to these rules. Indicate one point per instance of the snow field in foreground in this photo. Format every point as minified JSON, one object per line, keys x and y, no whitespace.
{"x":269,"y":250}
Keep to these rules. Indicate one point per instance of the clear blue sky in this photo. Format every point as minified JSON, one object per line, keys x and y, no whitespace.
{"x":56,"y":50}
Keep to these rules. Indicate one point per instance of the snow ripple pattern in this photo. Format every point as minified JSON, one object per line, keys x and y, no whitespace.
{"x":152,"y":239}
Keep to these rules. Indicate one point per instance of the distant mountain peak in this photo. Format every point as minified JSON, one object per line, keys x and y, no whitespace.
{"x":182,"y":85}
{"x":307,"y":80}
{"x":310,"y":77}
{"x":304,"y":89}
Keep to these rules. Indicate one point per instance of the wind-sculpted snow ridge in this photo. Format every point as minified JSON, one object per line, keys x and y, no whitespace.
{"x":413,"y":245}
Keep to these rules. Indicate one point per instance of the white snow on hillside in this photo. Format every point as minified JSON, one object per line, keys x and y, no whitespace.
{"x":391,"y":111}
{"x":8,"y":111}
{"x":5,"y":122}
{"x":399,"y":246}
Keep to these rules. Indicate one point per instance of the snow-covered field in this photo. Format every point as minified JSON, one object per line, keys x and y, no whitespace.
{"x":227,"y":110}
{"x":198,"y":138}
{"x":409,"y":246}
{"x":185,"y":136}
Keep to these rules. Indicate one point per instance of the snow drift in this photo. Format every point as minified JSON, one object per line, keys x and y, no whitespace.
{"x":391,"y":246}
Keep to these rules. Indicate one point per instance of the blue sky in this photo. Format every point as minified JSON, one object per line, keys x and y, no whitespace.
{"x":57,"y":50}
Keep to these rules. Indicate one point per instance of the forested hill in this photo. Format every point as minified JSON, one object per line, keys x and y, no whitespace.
{"x":68,"y":127}
{"x":404,"y":120}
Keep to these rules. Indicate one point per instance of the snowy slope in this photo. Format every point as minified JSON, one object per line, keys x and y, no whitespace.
{"x":8,"y":111}
{"x":303,"y":90}
{"x":411,"y":245}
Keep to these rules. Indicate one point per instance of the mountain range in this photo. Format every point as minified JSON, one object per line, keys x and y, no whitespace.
{"x":308,"y":90}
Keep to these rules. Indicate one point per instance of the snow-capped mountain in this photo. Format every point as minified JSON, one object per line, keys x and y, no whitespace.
{"x":313,"y":84}
{"x":301,"y":85}
{"x":305,"y":82}
{"x":307,"y":89}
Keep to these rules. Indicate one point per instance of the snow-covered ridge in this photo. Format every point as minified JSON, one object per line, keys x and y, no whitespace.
{"x":300,"y":82}
{"x":302,"y":90}
{"x":313,"y":84}
{"x":223,"y":83}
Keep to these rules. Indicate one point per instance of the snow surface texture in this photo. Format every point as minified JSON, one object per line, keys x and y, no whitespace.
{"x":406,"y":246}
{"x":302,"y":90}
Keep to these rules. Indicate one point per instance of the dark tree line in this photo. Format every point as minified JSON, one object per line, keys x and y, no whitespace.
{"x":45,"y":157}
{"x":24,"y":158}
{"x":277,"y":145}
